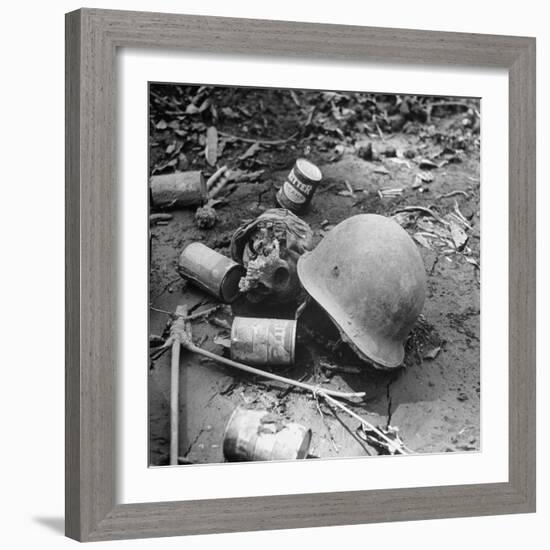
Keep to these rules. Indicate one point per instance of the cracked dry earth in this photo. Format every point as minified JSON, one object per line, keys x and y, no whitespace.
{"x":434,"y":401}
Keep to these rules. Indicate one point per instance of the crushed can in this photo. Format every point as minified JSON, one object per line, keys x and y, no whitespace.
{"x":260,"y":341}
{"x":211,"y":271}
{"x":260,"y":435}
{"x":296,"y":192}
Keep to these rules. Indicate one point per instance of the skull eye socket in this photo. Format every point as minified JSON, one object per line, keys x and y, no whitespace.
{"x":281,"y":276}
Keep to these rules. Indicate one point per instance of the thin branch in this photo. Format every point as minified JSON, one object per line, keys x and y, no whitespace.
{"x":334,"y":446}
{"x":315,"y":390}
{"x":452,"y":194}
{"x":392,"y":444}
{"x":197,"y":315}
{"x":428,"y":211}
{"x":262,"y":141}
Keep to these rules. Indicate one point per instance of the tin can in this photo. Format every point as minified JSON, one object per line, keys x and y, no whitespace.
{"x":263,"y":341}
{"x":211,"y":271}
{"x":178,"y":189}
{"x":260,"y":435}
{"x":299,"y":186}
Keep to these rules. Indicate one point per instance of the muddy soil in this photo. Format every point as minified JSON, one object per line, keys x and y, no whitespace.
{"x":434,"y":400}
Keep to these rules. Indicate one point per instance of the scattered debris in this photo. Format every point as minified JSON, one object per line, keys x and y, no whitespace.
{"x":382,"y":170}
{"x":205,"y":217}
{"x":386,"y":441}
{"x":432,"y":353}
{"x":315,"y":390}
{"x":156,"y":218}
{"x":390,"y":192}
{"x":364,"y":151}
{"x":191,"y":131}
{"x":427,"y":164}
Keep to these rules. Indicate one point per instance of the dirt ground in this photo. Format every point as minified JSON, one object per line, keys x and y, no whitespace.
{"x":434,"y":400}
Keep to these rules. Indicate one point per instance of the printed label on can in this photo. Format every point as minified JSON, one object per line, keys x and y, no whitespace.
{"x":293,"y":194}
{"x":280,"y":347}
{"x":263,"y":341}
{"x":297,"y":190}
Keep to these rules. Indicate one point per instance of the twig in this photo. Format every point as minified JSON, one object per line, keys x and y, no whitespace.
{"x":334,"y":446}
{"x":392,"y":444}
{"x":215,"y":177}
{"x":263,"y":141}
{"x":452,"y":194}
{"x":162,"y":311}
{"x":347,"y":428}
{"x":349,"y":188}
{"x":316,"y":390}
{"x":428,"y":211}
{"x":161,"y":217}
{"x":188,"y":317}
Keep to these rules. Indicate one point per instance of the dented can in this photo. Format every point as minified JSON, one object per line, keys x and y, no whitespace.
{"x":299,"y":186}
{"x":260,"y":435}
{"x":263,"y":341}
{"x":211,"y":271}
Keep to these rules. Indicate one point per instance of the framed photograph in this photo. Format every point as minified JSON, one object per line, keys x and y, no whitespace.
{"x":300,"y":275}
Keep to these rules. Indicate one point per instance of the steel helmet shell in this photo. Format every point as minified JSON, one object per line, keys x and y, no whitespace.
{"x":368,"y":275}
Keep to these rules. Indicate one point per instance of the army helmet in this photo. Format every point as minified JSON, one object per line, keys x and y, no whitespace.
{"x":368,"y":275}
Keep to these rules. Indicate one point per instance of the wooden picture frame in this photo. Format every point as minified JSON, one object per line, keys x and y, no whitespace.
{"x":92,"y":39}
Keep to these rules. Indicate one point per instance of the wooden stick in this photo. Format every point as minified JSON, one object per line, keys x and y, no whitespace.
{"x":174,"y":402}
{"x":316,"y":390}
{"x":178,"y":334}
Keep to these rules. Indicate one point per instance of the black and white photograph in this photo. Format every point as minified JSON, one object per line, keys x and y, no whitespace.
{"x":314,"y":283}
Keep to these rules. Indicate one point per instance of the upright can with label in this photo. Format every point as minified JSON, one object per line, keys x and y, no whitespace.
{"x":263,"y":341}
{"x":299,"y":186}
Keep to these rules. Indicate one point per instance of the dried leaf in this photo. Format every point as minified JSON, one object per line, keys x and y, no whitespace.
{"x":192,"y":109}
{"x":426,"y":177}
{"x":211,"y":151}
{"x":228,"y":112}
{"x":220,"y":341}
{"x":432,"y":353}
{"x":421,"y":240}
{"x":161,"y":125}
{"x":204,"y":105}
{"x":427,"y":164}
{"x":251,"y":151}
{"x":458,"y":235}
